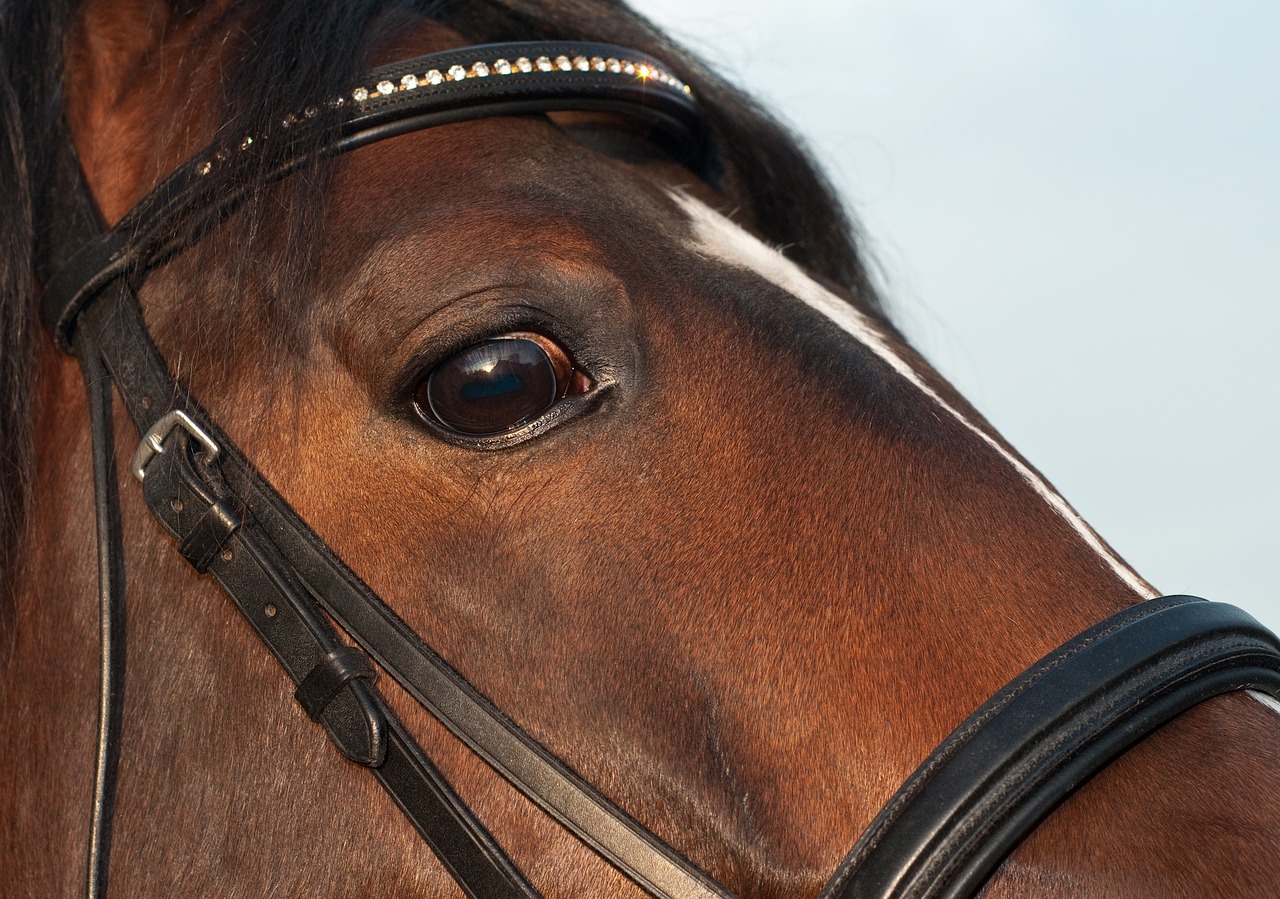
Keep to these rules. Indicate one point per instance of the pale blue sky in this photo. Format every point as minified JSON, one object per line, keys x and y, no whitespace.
{"x":1076,"y":208}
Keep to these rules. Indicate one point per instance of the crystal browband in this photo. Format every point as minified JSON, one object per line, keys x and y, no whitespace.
{"x":522,"y":65}
{"x":508,"y":79}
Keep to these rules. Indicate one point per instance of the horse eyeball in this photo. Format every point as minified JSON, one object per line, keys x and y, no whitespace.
{"x":497,"y":385}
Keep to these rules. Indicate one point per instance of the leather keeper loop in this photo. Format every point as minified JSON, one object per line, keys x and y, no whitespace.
{"x":79,"y":281}
{"x":329,"y":676}
{"x":210,"y":534}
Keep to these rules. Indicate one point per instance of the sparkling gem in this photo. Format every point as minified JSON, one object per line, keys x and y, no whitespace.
{"x":481,"y":70}
{"x":409,"y":82}
{"x":359,"y":95}
{"x":629,"y":68}
{"x":524,"y":65}
{"x":457,"y":73}
{"x":502,"y":67}
{"x":205,"y":168}
{"x":246,"y":143}
{"x":688,"y":90}
{"x":581,"y":63}
{"x":643,"y":71}
{"x":385,"y":87}
{"x":309,"y":112}
{"x":597,"y":63}
{"x":563,"y":64}
{"x":613,"y":65}
{"x":434,"y":77}
{"x":543,"y":64}
{"x":222,"y":156}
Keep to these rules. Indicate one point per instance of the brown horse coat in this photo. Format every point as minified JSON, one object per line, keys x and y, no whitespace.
{"x":744,"y":594}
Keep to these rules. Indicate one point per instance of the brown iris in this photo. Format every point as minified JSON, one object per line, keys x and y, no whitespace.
{"x":497,"y":385}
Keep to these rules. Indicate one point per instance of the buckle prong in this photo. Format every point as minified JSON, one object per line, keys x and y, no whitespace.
{"x":152,"y":443}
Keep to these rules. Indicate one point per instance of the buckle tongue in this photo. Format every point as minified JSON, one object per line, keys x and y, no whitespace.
{"x":152,"y":443}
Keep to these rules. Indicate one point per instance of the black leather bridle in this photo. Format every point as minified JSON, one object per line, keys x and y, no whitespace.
{"x":941,"y":835}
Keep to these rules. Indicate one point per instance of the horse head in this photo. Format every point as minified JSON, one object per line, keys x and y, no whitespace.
{"x":627,"y":439}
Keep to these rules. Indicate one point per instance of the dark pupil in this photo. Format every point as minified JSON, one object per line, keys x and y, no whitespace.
{"x":491,"y":387}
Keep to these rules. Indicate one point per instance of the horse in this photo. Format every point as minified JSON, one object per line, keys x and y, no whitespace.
{"x":603,"y":406}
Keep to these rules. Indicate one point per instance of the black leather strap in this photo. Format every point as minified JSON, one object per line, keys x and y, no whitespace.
{"x":111,"y":615}
{"x":1043,"y":735}
{"x":475,"y":861}
{"x":263,"y":588}
{"x":529,"y":766}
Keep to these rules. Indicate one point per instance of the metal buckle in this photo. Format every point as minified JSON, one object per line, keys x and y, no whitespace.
{"x":152,"y":443}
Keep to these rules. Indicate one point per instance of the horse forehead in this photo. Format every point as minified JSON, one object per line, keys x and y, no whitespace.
{"x":450,"y":209}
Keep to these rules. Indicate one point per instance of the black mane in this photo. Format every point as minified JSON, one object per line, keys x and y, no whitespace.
{"x":770,"y":178}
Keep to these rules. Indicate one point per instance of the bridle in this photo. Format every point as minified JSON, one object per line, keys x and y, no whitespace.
{"x":942,"y":834}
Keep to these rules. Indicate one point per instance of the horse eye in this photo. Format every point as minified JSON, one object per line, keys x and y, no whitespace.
{"x":497,"y":385}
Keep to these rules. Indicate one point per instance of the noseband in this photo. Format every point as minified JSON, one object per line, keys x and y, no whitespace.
{"x":941,"y":835}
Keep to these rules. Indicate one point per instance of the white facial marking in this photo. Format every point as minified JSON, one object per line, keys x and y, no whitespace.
{"x":1266,"y":699}
{"x":719,"y":238}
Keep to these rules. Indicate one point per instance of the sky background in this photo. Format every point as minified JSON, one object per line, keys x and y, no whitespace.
{"x":1075,"y":209}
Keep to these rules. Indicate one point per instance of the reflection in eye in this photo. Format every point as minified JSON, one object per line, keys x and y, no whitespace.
{"x":497,"y":385}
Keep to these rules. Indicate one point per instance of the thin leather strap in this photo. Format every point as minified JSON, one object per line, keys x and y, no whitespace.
{"x":1043,"y":735}
{"x":472,"y":857}
{"x":111,"y":616}
{"x":180,"y":493}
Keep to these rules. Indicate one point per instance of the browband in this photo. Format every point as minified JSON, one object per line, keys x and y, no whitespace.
{"x":457,"y":85}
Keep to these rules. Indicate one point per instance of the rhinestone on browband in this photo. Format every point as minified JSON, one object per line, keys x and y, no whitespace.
{"x":500,"y":68}
{"x":521,"y":65}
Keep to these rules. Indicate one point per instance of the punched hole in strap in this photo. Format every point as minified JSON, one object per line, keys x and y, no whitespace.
{"x":329,"y":676}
